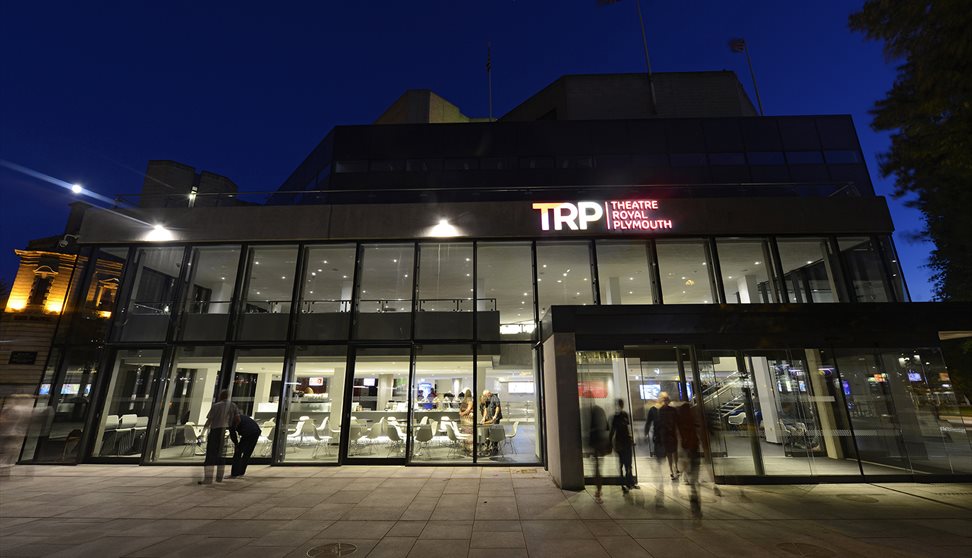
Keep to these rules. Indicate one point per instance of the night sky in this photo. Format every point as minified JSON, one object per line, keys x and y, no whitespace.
{"x":90,"y":91}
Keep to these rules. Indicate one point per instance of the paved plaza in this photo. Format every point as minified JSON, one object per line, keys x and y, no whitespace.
{"x":109,"y":511}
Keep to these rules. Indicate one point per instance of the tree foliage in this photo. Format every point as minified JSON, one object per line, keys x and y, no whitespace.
{"x":929,"y":112}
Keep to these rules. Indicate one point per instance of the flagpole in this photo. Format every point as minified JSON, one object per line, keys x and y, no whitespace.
{"x":752,"y":75}
{"x":644,"y":42}
{"x":489,"y":77}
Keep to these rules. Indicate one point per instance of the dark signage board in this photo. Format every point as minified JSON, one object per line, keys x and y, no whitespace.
{"x":23,"y":357}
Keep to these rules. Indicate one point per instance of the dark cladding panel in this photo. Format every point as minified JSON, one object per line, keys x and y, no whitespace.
{"x":723,"y":135}
{"x":609,"y":137}
{"x":685,"y":136}
{"x":837,"y":132}
{"x":799,"y":134}
{"x":761,"y":134}
{"x":647,"y":136}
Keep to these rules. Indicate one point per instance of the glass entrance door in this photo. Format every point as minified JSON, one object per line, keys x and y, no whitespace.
{"x":376,"y":415}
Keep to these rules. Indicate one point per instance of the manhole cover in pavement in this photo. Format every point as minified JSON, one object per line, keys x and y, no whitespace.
{"x":860,"y":498}
{"x":805,"y":549}
{"x":332,"y":549}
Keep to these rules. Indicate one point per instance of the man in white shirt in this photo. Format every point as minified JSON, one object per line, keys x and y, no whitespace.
{"x":222,"y":415}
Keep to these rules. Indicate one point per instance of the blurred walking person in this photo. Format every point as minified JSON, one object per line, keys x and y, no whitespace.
{"x":222,"y":415}
{"x":599,"y":440}
{"x":689,"y":422}
{"x":623,"y":441}
{"x":15,"y":414}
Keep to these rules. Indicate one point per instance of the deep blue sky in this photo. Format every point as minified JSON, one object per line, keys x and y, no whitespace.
{"x":90,"y":91}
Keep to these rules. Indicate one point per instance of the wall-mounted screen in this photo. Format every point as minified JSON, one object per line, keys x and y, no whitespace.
{"x":370,"y":382}
{"x":520,"y":387}
{"x":316,"y":381}
{"x":650,"y":391}
{"x":914,"y":377}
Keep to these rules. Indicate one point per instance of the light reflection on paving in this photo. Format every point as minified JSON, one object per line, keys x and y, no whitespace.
{"x":119,"y":510}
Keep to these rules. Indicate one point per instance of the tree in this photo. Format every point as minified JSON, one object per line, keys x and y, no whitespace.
{"x":929,"y":112}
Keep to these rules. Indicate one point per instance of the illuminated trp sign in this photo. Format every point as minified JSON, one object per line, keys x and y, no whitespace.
{"x":617,"y":215}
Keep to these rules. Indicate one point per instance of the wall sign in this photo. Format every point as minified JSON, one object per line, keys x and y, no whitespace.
{"x":22,"y":357}
{"x":611,"y":215}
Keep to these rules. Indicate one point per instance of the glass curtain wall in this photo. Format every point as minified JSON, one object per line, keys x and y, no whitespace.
{"x":445,"y":291}
{"x":865,"y":270}
{"x":746,"y":268}
{"x":130,"y":398}
{"x":384,"y":308}
{"x":325,"y":297}
{"x":187,"y":395}
{"x":685,"y":272}
{"x":504,"y":287}
{"x":265,"y":309}
{"x":443,"y":408}
{"x":208,"y":293}
{"x":624,"y":271}
{"x":809,"y":270}
{"x":153,"y":278}
{"x":601,"y":380}
{"x":314,"y":400}
{"x":508,"y":372}
{"x":564,"y":274}
{"x":379,"y":410}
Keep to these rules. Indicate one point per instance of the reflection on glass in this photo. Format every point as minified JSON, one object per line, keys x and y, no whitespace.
{"x":685,"y":274}
{"x":808,"y":270}
{"x":442,"y":416}
{"x":624,"y":272}
{"x":385,"y":297}
{"x":867,"y":388}
{"x":155,"y":272}
{"x":601,"y":380}
{"x":209,"y":292}
{"x":325,"y":306}
{"x":728,"y":403}
{"x":564,"y":274}
{"x":187,"y":396}
{"x":314,"y":400}
{"x":509,"y":373}
{"x":445,"y":291}
{"x":745,"y":266}
{"x":124,"y":421}
{"x":379,"y":404}
{"x":863,"y":265}
{"x":265,"y":310}
{"x":504,"y":286}
{"x":39,"y":406}
{"x":894,"y":266}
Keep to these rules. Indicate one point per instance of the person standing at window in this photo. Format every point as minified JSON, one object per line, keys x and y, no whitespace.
{"x":222,"y":415}
{"x":623,"y":441}
{"x":466,"y":409}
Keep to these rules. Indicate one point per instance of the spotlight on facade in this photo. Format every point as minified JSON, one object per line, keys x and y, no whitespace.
{"x":444,"y":228}
{"x":159,"y":233}
{"x":76,"y":188}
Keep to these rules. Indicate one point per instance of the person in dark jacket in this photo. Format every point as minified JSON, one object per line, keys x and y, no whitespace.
{"x":623,"y":441}
{"x":245,"y":436}
{"x":661,"y":426}
{"x":599,"y":441}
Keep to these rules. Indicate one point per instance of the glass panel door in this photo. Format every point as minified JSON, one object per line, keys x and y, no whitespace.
{"x":378,"y":414}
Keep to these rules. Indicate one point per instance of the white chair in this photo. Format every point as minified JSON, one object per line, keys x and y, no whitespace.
{"x":266,"y":437}
{"x":510,"y":437}
{"x":125,"y":433}
{"x":423,"y":435}
{"x":396,"y":439}
{"x":109,"y":436}
{"x":736,"y":421}
{"x":191,"y":440}
{"x":496,"y":435}
{"x":305,"y":431}
{"x":323,"y":438}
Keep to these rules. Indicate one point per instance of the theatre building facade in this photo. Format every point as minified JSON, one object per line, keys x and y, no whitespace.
{"x":561,"y":258}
